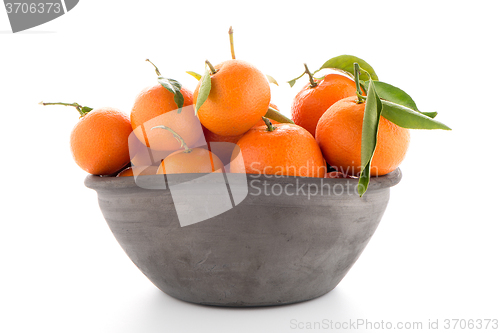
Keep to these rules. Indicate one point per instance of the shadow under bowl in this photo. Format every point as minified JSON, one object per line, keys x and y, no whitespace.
{"x":283,"y":240}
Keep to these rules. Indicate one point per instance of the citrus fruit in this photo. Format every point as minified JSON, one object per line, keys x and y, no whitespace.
{"x":338,"y":134}
{"x":99,"y":141}
{"x":238,"y":98}
{"x":281,"y":149}
{"x":312,"y":101}
{"x":155,"y":106}
{"x":196,"y":160}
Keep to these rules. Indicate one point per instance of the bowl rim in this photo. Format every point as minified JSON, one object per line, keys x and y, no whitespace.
{"x":116,"y":183}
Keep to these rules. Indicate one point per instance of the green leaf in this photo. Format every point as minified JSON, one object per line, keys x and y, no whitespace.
{"x":277,"y":116}
{"x":364,"y":84}
{"x":86,"y":109}
{"x":175,"y":88}
{"x":170,"y":84}
{"x":292,"y":82}
{"x":195,"y":75}
{"x":429,"y":114}
{"x":272,"y":80}
{"x":204,"y":91}
{"x":371,"y":119}
{"x":345,"y":63}
{"x":391,"y":93}
{"x":408,"y":118}
{"x":396,"y":95}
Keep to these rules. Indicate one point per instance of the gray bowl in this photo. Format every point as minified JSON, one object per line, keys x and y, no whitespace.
{"x":272,"y":247}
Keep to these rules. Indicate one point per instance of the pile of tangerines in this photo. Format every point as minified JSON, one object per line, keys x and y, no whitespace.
{"x":344,"y":124}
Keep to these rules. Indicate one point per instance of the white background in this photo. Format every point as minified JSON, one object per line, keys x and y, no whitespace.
{"x":435,"y":253}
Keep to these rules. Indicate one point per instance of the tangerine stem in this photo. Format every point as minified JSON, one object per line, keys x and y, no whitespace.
{"x":231,"y":41}
{"x":358,"y":87}
{"x":269,"y":124}
{"x":311,"y":79}
{"x":212,"y":68}
{"x":156,"y":68}
{"x":176,"y":136}
{"x":81,"y":109}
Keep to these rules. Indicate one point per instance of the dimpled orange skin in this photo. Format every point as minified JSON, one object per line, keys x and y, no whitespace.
{"x":99,"y":141}
{"x":339,"y":136}
{"x":155,"y":106}
{"x":288,"y":150}
{"x":198,"y":160}
{"x":239,"y":97}
{"x":311,"y":102}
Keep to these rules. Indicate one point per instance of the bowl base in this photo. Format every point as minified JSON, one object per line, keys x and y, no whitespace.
{"x":243,"y":304}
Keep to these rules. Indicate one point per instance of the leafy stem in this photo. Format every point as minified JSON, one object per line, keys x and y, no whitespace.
{"x":292,"y":82}
{"x":156,"y":68}
{"x":308,"y":72}
{"x":176,"y":136}
{"x":171,"y":85}
{"x":311,"y":78}
{"x":83,"y":110}
{"x":359,"y":92}
{"x":269,"y":124}
{"x":212,"y":68}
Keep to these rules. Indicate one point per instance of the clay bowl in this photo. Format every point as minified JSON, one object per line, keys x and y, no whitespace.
{"x":280,"y":240}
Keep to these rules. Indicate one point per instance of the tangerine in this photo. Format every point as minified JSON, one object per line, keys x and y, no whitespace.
{"x":196,"y":160}
{"x":339,"y":133}
{"x":281,"y":149}
{"x":99,"y":140}
{"x":314,"y":99}
{"x":238,"y":98}
{"x":155,"y":106}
